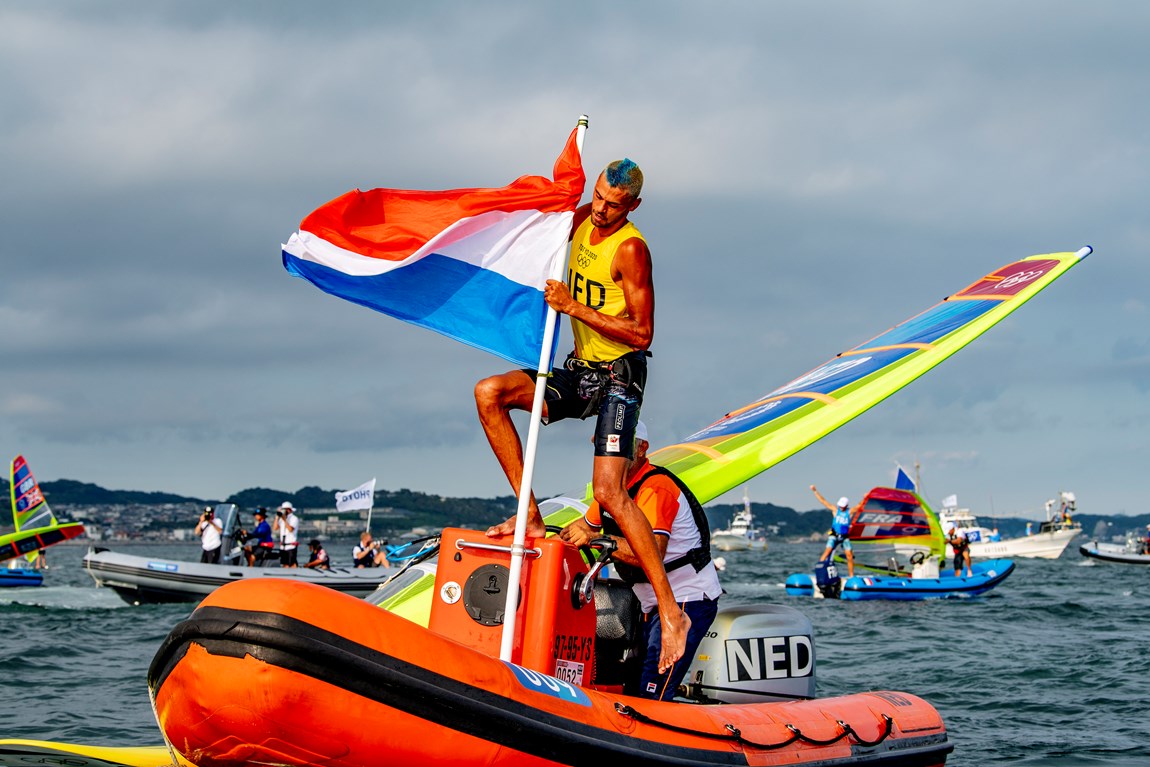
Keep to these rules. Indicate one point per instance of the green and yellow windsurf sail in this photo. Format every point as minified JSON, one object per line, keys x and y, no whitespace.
{"x":747,"y":441}
{"x":36,"y":527}
{"x":753,"y":438}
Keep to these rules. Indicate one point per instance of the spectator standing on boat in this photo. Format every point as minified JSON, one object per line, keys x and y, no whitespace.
{"x":840,"y":528}
{"x":610,"y":297}
{"x":367,"y":553}
{"x":318,"y":558}
{"x":286,"y":530}
{"x":211,"y":533}
{"x":961,"y":546}
{"x":683,"y":539}
{"x":1068,"y":505}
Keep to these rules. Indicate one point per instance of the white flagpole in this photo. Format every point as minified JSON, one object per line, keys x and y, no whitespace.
{"x":370,"y":505}
{"x":544,"y":369}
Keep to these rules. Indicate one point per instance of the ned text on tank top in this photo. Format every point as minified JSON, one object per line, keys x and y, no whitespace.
{"x":589,"y":280}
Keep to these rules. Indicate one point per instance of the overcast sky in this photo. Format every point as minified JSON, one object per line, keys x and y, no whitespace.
{"x":816,"y":173}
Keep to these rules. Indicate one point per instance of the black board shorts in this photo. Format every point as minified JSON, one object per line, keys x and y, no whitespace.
{"x":611,"y":391}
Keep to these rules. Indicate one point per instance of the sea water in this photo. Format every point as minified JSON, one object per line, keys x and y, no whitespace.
{"x":1050,"y":668}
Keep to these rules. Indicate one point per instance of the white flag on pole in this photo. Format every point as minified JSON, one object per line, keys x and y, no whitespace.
{"x":361,"y":497}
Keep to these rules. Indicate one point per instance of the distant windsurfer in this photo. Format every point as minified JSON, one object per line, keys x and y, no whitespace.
{"x":610,"y":297}
{"x":840,"y":529}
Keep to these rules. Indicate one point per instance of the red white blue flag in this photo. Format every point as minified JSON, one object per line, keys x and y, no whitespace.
{"x":468,"y":263}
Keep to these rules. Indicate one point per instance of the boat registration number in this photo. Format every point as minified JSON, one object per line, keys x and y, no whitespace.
{"x":569,"y":671}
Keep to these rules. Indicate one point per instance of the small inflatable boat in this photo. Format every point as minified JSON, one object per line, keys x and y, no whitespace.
{"x":280,"y":672}
{"x":1129,"y":554}
{"x":20,"y":576}
{"x":148,"y":580}
{"x":153,"y":580}
{"x":904,"y":586}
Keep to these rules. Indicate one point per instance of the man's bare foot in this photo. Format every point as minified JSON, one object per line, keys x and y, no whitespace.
{"x":674,"y":641}
{"x":535,"y":527}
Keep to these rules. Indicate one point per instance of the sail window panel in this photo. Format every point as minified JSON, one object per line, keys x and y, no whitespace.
{"x":933,"y":324}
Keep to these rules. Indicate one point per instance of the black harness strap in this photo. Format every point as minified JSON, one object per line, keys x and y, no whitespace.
{"x":697,"y":557}
{"x":596,"y":377}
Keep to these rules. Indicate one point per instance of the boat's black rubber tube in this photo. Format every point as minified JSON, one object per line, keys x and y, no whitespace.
{"x":305,"y":649}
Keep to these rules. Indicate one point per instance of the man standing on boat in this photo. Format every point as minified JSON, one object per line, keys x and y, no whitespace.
{"x":840,"y":528}
{"x":961,"y":546}
{"x":684,"y":540}
{"x":286,"y":528}
{"x":211,"y":533}
{"x":610,"y":297}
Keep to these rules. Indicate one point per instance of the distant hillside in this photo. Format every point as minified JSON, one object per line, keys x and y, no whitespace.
{"x":399,"y":509}
{"x":790,"y":523}
{"x":404,"y":509}
{"x":69,"y":491}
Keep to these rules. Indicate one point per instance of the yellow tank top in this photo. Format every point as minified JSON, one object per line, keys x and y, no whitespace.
{"x":589,"y":280}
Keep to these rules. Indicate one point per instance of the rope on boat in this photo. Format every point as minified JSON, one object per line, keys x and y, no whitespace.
{"x":733,"y":733}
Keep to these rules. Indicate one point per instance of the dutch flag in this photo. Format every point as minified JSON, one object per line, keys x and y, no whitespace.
{"x":468,"y":263}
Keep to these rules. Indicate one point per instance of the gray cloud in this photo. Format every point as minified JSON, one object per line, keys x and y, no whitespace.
{"x":814,"y":177}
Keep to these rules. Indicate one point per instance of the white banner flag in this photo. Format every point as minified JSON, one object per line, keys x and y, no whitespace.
{"x":361,"y":497}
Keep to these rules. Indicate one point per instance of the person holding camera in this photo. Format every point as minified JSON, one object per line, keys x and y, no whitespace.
{"x":286,"y":529}
{"x":367,"y":552}
{"x":211,"y":534}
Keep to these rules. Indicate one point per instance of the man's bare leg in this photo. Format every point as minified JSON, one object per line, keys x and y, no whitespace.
{"x":495,"y":398}
{"x":611,"y":493}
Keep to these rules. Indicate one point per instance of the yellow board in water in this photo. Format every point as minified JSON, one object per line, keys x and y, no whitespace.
{"x":24,"y":752}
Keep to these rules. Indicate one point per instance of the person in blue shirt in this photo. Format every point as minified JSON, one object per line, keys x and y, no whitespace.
{"x":258,"y":545}
{"x":840,"y":527}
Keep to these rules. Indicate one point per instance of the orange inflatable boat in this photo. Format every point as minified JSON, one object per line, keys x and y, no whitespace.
{"x":287,"y":673}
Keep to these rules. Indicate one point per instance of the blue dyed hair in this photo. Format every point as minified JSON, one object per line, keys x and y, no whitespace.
{"x":625,"y":174}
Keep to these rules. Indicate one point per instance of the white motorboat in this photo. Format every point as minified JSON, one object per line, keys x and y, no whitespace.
{"x":147,"y":580}
{"x":742,"y":535}
{"x":1048,"y":542}
{"x":1136,"y":551}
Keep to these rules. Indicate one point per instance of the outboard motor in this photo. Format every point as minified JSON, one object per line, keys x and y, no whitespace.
{"x":754,"y":654}
{"x":229,"y":516}
{"x":827,"y":580}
